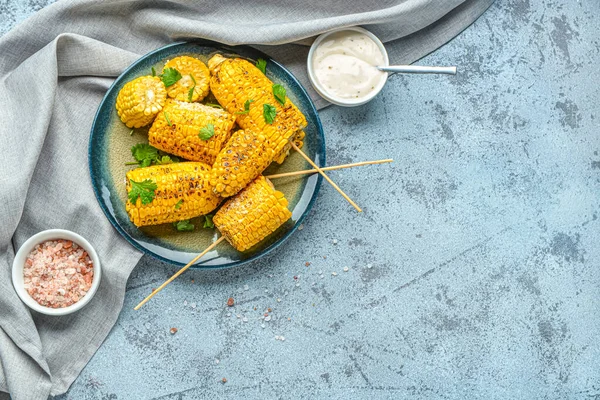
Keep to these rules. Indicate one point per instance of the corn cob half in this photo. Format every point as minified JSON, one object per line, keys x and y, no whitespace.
{"x":194,"y":74}
{"x":244,"y":157}
{"x":176,"y":130}
{"x":252,"y":215}
{"x":183,"y":192}
{"x":140,"y":100}
{"x":234,"y":81}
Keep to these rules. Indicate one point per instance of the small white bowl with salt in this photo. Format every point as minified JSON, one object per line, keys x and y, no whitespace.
{"x":56,"y":272}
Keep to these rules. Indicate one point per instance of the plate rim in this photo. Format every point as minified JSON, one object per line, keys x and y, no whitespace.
{"x":198,"y":265}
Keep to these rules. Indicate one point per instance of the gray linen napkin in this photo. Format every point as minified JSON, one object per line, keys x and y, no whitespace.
{"x":55,"y":68}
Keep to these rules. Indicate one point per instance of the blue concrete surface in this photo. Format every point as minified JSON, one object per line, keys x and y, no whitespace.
{"x":473,"y":272}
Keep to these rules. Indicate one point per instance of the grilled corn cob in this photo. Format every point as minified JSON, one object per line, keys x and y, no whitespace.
{"x":252,"y":215}
{"x":235,"y":81}
{"x":140,"y":100}
{"x":176,"y":130}
{"x":298,"y":140}
{"x":243,"y":158}
{"x":183,"y":192}
{"x":194,"y":74}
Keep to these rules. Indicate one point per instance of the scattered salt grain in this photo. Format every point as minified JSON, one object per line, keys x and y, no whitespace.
{"x":268,"y":318}
{"x":334,"y":241}
{"x":246,"y":287}
{"x":279,"y":300}
{"x":281,"y":338}
{"x":217,"y":361}
{"x":245,"y":319}
{"x":263,"y":326}
{"x":193,"y":305}
{"x":334,"y":273}
{"x":346,"y":269}
{"x":185,"y":302}
{"x":300,"y":227}
{"x":297,"y":285}
{"x":369,"y":266}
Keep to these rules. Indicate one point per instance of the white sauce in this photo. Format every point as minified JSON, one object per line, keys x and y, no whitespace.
{"x":345,"y":65}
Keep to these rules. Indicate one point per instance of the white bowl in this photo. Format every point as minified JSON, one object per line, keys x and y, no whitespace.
{"x":19,"y":263}
{"x":331,"y":97}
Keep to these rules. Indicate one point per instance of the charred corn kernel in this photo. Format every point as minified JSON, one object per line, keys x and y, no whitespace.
{"x":140,"y":100}
{"x":252,"y":215}
{"x":243,"y":158}
{"x":183,"y":192}
{"x":234,"y":81}
{"x":298,"y":140}
{"x":191,"y":69}
{"x":176,"y":129}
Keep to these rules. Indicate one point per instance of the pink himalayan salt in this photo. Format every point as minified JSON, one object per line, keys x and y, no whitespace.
{"x":58,"y":273}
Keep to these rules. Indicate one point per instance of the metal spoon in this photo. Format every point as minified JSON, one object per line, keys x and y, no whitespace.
{"x":417,"y":69}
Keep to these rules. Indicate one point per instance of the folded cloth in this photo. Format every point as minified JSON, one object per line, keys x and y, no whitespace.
{"x":55,"y":68}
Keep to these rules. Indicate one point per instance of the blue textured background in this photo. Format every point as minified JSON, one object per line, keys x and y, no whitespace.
{"x":482,"y":240}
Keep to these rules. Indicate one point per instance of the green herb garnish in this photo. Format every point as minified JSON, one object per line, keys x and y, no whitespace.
{"x":262,"y":65}
{"x":131,"y":133}
{"x":153,"y":72}
{"x":269,"y":113}
{"x":208,"y":222}
{"x":170,"y":76}
{"x":191,"y":92}
{"x":146,"y":155}
{"x":144,"y":190}
{"x":214,"y":105}
{"x":279,"y":93}
{"x":207,"y":132}
{"x":164,"y":159}
{"x":167,"y":118}
{"x":246,"y":107}
{"x":184,"y":226}
{"x":179,"y":204}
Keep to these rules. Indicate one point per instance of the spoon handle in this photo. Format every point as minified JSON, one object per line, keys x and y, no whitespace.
{"x":417,"y":69}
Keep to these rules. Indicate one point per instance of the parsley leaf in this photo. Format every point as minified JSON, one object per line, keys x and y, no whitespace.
{"x":144,"y":154}
{"x":262,"y":65}
{"x":246,"y":107}
{"x":191,"y":91}
{"x":214,"y":105}
{"x":153,"y":72}
{"x":144,"y":190}
{"x":184,"y":226}
{"x":207,"y":132}
{"x":167,"y":118}
{"x":164,"y":159}
{"x":170,"y":76}
{"x":269,"y":113}
{"x":208,"y":222}
{"x":279,"y":93}
{"x":179,"y":204}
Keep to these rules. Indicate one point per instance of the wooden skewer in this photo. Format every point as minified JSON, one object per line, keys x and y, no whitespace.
{"x":181,"y":271}
{"x":320,"y":170}
{"x":332,"y":168}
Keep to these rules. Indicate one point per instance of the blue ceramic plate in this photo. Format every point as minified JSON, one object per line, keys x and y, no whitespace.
{"x":110,"y":144}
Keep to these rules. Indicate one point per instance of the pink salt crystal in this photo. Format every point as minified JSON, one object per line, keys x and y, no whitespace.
{"x":58,"y":273}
